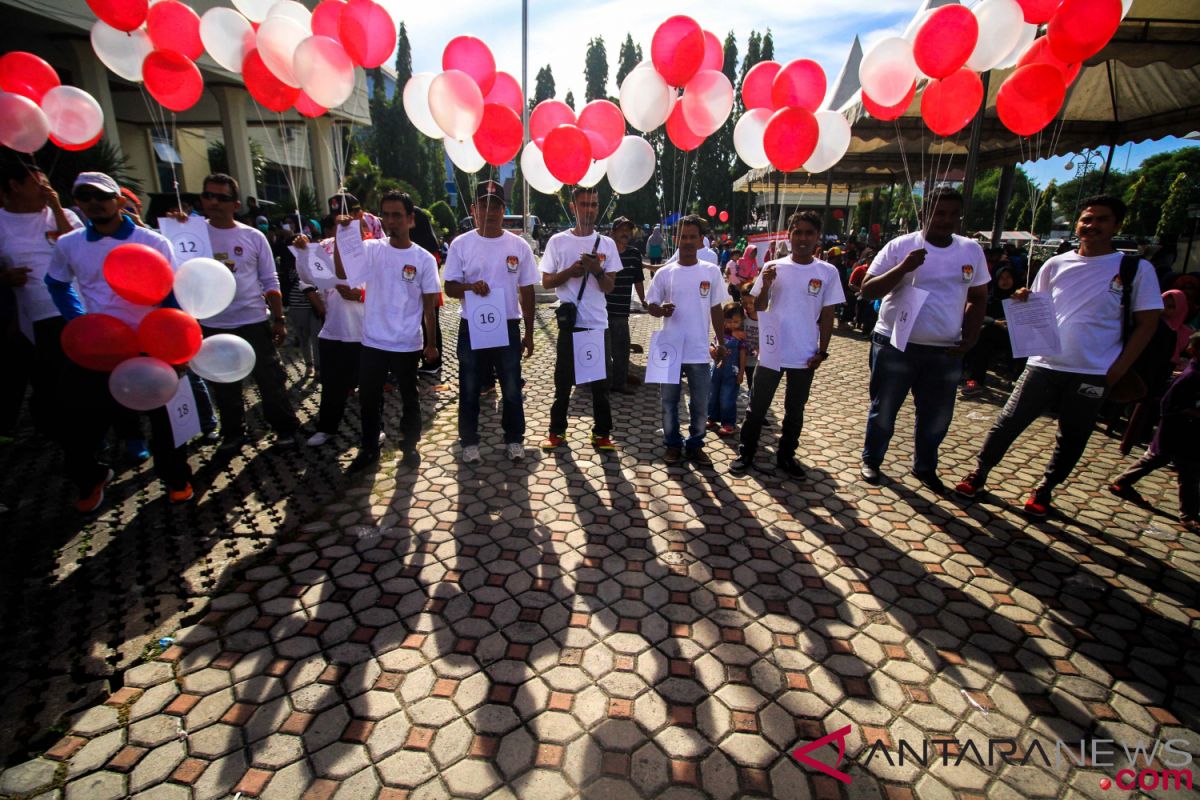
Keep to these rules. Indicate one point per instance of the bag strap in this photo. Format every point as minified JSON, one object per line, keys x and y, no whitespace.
{"x":1129,"y":266}
{"x":583,"y":283}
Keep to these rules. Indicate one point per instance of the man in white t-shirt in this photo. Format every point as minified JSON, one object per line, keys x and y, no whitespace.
{"x":953,"y":270}
{"x":30,"y":223}
{"x":247,"y":254}
{"x":402,"y":290}
{"x":795,"y":298}
{"x":581,"y":266}
{"x":477,"y":261}
{"x":88,"y":406}
{"x":1090,"y":289}
{"x":688,"y":294}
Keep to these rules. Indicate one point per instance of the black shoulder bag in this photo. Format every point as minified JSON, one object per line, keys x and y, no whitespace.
{"x":568,"y":313}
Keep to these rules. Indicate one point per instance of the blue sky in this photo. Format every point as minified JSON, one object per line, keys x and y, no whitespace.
{"x":1127,"y":157}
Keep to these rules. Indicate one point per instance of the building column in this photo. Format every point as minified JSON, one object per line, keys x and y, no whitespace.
{"x":231,"y":101}
{"x":320,"y":147}
{"x":93,"y":79}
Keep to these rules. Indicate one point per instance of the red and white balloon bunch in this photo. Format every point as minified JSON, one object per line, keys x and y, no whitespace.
{"x":36,"y":107}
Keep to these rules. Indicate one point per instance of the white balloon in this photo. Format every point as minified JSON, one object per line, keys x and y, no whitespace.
{"x":707,"y":100}
{"x":74,"y":115}
{"x":254,"y":10}
{"x":748,"y":137}
{"x":324,"y":70}
{"x":122,"y":52}
{"x":227,"y":37}
{"x":223,"y":358}
{"x":594,"y":174}
{"x":646,"y":99}
{"x":1024,"y":40}
{"x":535,"y":172}
{"x":1000,"y":24}
{"x":464,"y":154}
{"x":292,"y":10}
{"x":887,"y":72}
{"x":23,"y":126}
{"x":204,"y":287}
{"x":832,"y":143}
{"x":277,"y":40}
{"x":143,"y":383}
{"x":456,"y":103}
{"x":631,"y":166}
{"x":416,"y":105}
{"x":1125,"y":6}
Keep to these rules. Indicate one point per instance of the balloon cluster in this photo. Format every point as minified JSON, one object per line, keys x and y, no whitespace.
{"x":142,"y":361}
{"x":723,"y":216}
{"x":35,"y":106}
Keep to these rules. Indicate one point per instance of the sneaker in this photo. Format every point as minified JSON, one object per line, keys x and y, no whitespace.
{"x":727,"y":430}
{"x":930,"y":481}
{"x":212,"y":437}
{"x":673,"y":455}
{"x":603,"y":442}
{"x":470,"y":454}
{"x":88,"y":504}
{"x":317,"y":439}
{"x":429,"y":369}
{"x":1127,"y":493}
{"x":697,"y":456}
{"x":382,"y":438}
{"x":229,"y":443}
{"x":971,"y":484}
{"x":411,"y":459}
{"x":364,"y":459}
{"x":741,"y":464}
{"x":516,"y":451}
{"x":870,"y":474}
{"x":136,"y":449}
{"x":177,"y":496}
{"x":792,"y":467}
{"x":553,"y":441}
{"x":972,"y":389}
{"x":1038,"y":504}
{"x":712,"y":425}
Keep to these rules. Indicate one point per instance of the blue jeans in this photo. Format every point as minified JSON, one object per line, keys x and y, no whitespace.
{"x":723,"y":394}
{"x":471,"y":365}
{"x":698,"y":381}
{"x":932,"y":375}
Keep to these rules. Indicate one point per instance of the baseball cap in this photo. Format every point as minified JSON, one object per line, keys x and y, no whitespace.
{"x":619,"y":221}
{"x":97,"y":180}
{"x":348,"y":199}
{"x":489,"y":189}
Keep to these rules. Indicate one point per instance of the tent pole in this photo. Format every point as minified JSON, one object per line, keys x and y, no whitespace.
{"x":1003,"y":198}
{"x":1107,"y":167}
{"x":968,"y":189}
{"x":887,"y":217}
{"x":826,"y":220}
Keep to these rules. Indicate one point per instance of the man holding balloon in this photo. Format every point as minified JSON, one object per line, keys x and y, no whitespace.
{"x":89,"y":406}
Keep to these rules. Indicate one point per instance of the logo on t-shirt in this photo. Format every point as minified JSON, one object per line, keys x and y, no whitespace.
{"x":814,"y":286}
{"x":968,"y":273}
{"x":224,"y":259}
{"x":237,"y":250}
{"x":704,"y":287}
{"x":1116,"y":286}
{"x":602,"y":257}
{"x":513,"y":262}
{"x":410,"y":273}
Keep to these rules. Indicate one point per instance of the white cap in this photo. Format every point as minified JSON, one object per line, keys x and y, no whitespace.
{"x":97,"y":180}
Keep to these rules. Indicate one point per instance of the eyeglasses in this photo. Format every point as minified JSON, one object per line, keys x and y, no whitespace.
{"x":86,"y":195}
{"x":221,"y":198}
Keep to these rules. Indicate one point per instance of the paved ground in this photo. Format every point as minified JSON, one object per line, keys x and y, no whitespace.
{"x":591,"y":625}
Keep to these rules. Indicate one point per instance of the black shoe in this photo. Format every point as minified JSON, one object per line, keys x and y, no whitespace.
{"x":430,"y":369}
{"x":231,"y":443}
{"x":697,"y":456}
{"x":411,"y":459}
{"x":792,"y":467}
{"x":742,"y":463}
{"x":930,"y":481}
{"x":364,"y":459}
{"x":870,"y":474}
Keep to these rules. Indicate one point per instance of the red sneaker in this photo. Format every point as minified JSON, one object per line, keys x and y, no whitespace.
{"x":88,"y":504}
{"x":972,"y":389}
{"x":177,"y":496}
{"x":1038,"y":504}
{"x":712,"y":425}
{"x":553,"y":441}
{"x":603,"y":443}
{"x":971,"y":485}
{"x":726,"y":430}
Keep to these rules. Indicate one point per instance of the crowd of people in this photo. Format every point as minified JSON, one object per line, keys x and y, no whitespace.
{"x":932,"y":303}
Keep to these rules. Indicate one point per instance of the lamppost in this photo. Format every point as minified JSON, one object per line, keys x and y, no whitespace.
{"x":1087,"y":161}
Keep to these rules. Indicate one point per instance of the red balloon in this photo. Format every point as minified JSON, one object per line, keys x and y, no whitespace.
{"x":270,"y":92}
{"x":712,"y":211}
{"x":473,"y":57}
{"x":714,"y":53}
{"x":1030,"y":98}
{"x":949,"y":104}
{"x":799,"y":84}
{"x":326,"y":18}
{"x":945,"y":40}
{"x":170,"y":334}
{"x":27,"y":75}
{"x":172,"y":79}
{"x":679,"y":133}
{"x":99,"y":342}
{"x":500,"y":133}
{"x":790,"y":138}
{"x":1038,"y":11}
{"x":758,"y":83}
{"x":604,"y":125}
{"x":724,"y":217}
{"x":138,"y":273}
{"x":1081,"y":28}
{"x":365,"y":29}
{"x":124,"y":15}
{"x":507,"y":92}
{"x":307,"y":107}
{"x":77,"y":147}
{"x":1040,"y":53}
{"x":887,"y":113}
{"x":546,"y":116}
{"x":171,"y":25}
{"x":567,"y":153}
{"x":677,"y":50}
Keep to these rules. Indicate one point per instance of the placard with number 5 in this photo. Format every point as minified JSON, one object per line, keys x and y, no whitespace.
{"x":486,"y":319}
{"x":589,"y":356}
{"x":188,"y":239}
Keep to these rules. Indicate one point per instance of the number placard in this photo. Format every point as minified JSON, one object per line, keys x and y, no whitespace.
{"x":770,"y":351}
{"x":486,"y":318}
{"x":663,"y":359}
{"x":185,"y":422}
{"x":589,"y":356}
{"x":188,"y":239}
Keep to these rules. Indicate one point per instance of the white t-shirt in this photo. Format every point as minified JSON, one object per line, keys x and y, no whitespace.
{"x":694,"y":290}
{"x":563,"y":250}
{"x":75,"y":258}
{"x":798,"y":295}
{"x":505,"y":261}
{"x":1087,"y":306}
{"x":27,"y":240}
{"x":947,"y":274}
{"x":396,"y":280}
{"x":248,"y":255}
{"x":343,"y":318}
{"x":705,"y":253}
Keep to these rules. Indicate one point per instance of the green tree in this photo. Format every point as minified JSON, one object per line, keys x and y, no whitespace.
{"x":1159,"y":171}
{"x":1137,"y":220}
{"x":595,"y":71}
{"x":218,"y":160}
{"x":768,"y":46}
{"x":753,"y":56}
{"x":628,"y":58}
{"x":443,"y":217}
{"x":1044,"y":222}
{"x":1174,"y":213}
{"x":570,"y":99}
{"x":543,"y":86}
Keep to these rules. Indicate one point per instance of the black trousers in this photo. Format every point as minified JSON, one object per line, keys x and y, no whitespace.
{"x":766,"y":381}
{"x":1189,"y":479}
{"x":564,"y":381}
{"x":339,"y":375}
{"x":38,"y":365}
{"x":373,"y":370}
{"x":270,"y":378}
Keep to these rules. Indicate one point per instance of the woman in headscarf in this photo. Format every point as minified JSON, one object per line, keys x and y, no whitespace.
{"x":993,"y":337}
{"x":741,"y":272}
{"x":1190,"y":286}
{"x":1174,"y":317}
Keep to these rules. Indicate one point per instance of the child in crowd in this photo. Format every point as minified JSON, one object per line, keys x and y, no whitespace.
{"x":727,"y":374}
{"x":750,"y":328}
{"x":1177,"y":440}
